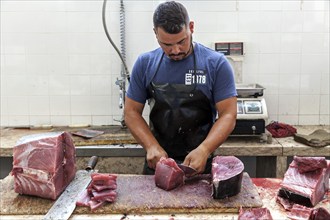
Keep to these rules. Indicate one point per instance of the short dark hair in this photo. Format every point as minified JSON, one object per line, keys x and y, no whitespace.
{"x":171,"y":16}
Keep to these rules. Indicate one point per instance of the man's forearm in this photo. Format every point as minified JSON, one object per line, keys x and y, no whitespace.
{"x":219,"y":132}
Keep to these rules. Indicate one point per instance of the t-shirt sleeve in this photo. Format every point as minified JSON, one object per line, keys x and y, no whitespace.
{"x":224,"y":86}
{"x":137,"y":89}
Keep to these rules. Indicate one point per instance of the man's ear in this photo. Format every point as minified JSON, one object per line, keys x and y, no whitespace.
{"x":191,"y":26}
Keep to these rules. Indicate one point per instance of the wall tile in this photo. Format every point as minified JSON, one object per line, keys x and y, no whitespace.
{"x":81,"y":105}
{"x":324,"y":105}
{"x":312,"y":43}
{"x":14,"y":64}
{"x":270,"y":43}
{"x":324,"y":119}
{"x":290,"y":64}
{"x":60,"y":105}
{"x":60,"y":120}
{"x":39,"y":120}
{"x":291,"y":43}
{"x":101,"y":105}
{"x":81,"y":120}
{"x":310,"y":84}
{"x":289,"y":119}
{"x":39,"y":105}
{"x":309,"y":105}
{"x":309,"y":119}
{"x":80,"y":85}
{"x":18,"y":105}
{"x":292,"y":21}
{"x":288,"y":105}
{"x":59,"y":85}
{"x":289,"y":84}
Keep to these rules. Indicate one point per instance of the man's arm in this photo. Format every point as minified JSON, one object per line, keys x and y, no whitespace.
{"x":222,"y":128}
{"x":141,"y":131}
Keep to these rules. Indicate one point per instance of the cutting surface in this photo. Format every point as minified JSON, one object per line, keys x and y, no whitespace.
{"x":138,"y":194}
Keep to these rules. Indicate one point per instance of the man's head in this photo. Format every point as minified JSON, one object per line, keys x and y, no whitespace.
{"x":173,"y":29}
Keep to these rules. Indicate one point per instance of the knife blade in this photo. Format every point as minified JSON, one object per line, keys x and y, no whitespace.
{"x":188,"y":171}
{"x":66,"y":203}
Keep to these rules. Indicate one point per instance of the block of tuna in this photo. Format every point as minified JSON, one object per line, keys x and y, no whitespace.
{"x":44,"y":167}
{"x":306,"y":188}
{"x":254,"y":214}
{"x":227,"y":174}
{"x":168,"y":175}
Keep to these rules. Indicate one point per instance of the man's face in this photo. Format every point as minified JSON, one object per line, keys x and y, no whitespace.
{"x":175,"y":46}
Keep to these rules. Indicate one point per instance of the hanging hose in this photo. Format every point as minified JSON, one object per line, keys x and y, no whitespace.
{"x":109,"y":38}
{"x":124,"y":70}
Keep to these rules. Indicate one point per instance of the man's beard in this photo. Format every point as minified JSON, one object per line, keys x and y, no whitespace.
{"x":182,"y":54}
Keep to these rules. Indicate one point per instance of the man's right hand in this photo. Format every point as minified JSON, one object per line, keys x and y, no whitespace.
{"x":154,"y":154}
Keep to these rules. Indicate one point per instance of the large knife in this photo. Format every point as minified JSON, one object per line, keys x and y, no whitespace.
{"x":66,"y":203}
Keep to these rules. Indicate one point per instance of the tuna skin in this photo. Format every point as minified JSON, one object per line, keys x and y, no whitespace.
{"x":227,"y":175}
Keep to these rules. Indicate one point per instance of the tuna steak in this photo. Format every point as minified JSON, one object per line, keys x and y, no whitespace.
{"x":44,"y":167}
{"x":168,"y":175}
{"x":306,"y":188}
{"x":227,"y":174}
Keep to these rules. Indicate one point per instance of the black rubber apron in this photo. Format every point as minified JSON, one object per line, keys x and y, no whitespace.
{"x":180,"y":117}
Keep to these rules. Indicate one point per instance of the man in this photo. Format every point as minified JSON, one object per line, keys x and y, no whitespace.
{"x":188,"y":85}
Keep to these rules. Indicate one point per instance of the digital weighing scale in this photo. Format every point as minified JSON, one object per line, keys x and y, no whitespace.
{"x":252,"y":113}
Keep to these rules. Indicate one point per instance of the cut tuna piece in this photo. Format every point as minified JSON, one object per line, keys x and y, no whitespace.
{"x":254,"y":214}
{"x":320,"y":214}
{"x":305,"y":188}
{"x":227,"y":174}
{"x":299,"y":212}
{"x":44,"y":167}
{"x":168,"y":175}
{"x":102,"y":189}
{"x":307,"y":164}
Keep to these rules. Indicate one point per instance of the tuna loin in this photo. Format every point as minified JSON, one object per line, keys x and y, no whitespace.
{"x":254,"y":213}
{"x":306,"y":188}
{"x":44,"y":167}
{"x":168,"y":175}
{"x":227,"y":174}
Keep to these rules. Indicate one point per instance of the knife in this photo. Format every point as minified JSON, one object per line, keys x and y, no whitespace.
{"x":66,"y":203}
{"x":188,"y":171}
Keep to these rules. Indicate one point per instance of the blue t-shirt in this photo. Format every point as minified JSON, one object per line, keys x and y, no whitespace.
{"x":214,"y":74}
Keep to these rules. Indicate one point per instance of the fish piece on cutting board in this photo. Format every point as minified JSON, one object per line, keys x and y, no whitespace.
{"x":138,"y":194}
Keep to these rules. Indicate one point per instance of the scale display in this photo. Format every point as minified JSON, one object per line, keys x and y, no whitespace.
{"x":251,"y":108}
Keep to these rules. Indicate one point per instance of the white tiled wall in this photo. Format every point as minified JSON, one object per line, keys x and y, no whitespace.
{"x":58,"y":67}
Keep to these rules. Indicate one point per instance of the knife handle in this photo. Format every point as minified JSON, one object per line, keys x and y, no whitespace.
{"x":92,"y":163}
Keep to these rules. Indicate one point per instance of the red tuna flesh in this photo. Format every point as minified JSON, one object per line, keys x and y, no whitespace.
{"x":305,"y":188}
{"x":227,"y":174}
{"x":307,"y":164}
{"x":44,"y":166}
{"x":168,"y":175}
{"x":254,"y":214}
